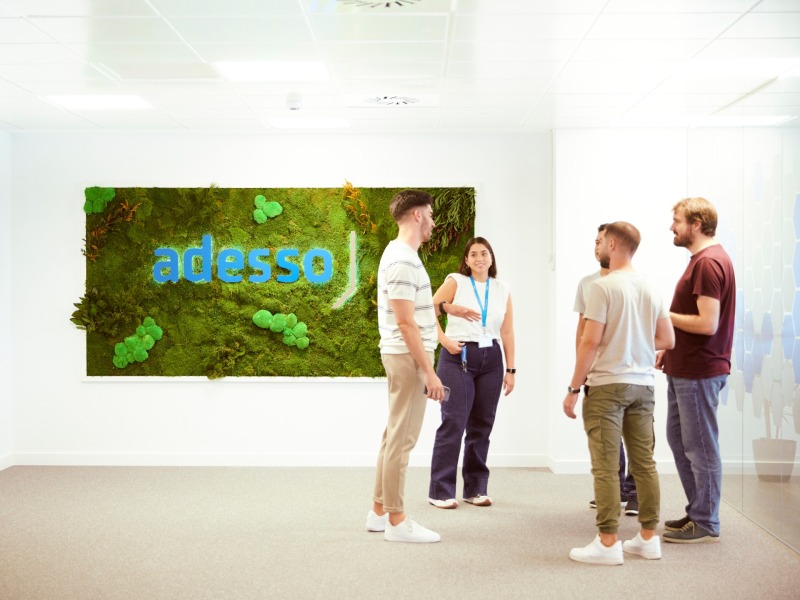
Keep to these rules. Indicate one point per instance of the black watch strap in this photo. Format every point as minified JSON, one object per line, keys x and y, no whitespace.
{"x":573,"y":390}
{"x":512,"y":371}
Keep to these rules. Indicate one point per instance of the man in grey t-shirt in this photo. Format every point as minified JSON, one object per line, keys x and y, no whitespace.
{"x":626,"y":322}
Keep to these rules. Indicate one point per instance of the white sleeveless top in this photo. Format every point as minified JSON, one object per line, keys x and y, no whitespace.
{"x":461,"y":330}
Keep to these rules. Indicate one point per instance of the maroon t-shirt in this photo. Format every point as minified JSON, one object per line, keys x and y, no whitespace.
{"x":697,"y":356}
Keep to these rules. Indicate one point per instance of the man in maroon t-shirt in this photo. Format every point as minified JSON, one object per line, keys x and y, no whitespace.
{"x":697,"y":368}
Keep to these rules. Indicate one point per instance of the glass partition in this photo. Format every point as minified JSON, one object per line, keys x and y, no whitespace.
{"x":753,"y":177}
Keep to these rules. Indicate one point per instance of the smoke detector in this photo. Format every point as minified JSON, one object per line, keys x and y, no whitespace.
{"x":294,"y":101}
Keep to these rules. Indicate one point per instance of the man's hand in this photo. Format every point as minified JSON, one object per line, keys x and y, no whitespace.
{"x":457,"y":310}
{"x":660,"y":360}
{"x":569,"y":405}
{"x":434,"y":387}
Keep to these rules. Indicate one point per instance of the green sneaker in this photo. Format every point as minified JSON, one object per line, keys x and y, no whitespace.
{"x":691,"y":533}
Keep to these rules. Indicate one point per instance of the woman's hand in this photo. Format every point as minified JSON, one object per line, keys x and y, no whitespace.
{"x":463,"y":312}
{"x":452,"y":346}
{"x":508,"y":383}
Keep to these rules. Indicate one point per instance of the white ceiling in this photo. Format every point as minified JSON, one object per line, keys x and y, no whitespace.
{"x":462,"y":65}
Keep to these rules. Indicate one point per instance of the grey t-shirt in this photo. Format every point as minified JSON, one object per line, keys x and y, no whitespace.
{"x":629,"y":306}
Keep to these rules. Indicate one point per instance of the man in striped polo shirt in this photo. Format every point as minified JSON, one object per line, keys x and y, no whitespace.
{"x":407,"y":325}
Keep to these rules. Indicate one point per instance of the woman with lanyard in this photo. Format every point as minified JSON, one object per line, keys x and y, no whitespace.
{"x":480,"y":330}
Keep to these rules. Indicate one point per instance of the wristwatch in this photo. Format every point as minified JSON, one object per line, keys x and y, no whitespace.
{"x":571,"y":390}
{"x":512,"y":371}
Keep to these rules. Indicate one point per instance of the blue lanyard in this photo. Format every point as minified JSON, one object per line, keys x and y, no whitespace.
{"x":484,"y":307}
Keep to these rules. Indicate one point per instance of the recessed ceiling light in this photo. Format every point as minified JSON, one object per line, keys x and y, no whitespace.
{"x":285,"y":70}
{"x":100,"y":102}
{"x":308,"y":123}
{"x":392,"y":100}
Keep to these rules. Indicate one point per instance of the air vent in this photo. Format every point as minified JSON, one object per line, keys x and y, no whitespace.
{"x":384,"y":4}
{"x":392,"y":100}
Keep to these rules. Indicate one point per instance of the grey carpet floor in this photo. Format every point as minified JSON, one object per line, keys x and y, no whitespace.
{"x":251,"y":533}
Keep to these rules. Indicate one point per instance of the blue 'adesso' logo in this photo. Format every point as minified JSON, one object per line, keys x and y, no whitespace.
{"x":196,"y":264}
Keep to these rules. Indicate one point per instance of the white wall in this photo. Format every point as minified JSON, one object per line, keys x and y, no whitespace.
{"x":6,"y":261}
{"x":602,"y":176}
{"x":61,"y":418}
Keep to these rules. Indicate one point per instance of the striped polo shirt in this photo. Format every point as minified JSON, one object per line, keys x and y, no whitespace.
{"x":402,"y":276}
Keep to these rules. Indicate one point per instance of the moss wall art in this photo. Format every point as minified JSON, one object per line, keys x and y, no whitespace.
{"x":242,"y":282}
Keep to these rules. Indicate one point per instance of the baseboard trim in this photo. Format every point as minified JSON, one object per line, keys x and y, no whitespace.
{"x":248,"y":460}
{"x":6,"y":461}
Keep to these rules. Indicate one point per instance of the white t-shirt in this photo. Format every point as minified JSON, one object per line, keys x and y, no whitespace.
{"x":402,"y":276}
{"x":582,"y":294}
{"x":629,"y":306}
{"x":461,"y":330}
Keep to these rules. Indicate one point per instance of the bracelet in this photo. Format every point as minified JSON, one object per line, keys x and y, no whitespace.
{"x":441,"y":308}
{"x":512,"y":371}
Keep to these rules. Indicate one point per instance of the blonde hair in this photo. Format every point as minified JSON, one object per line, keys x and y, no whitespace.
{"x":699,"y":210}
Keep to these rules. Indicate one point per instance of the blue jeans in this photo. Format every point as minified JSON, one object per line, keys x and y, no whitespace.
{"x":693,"y":435}
{"x":474,"y":396}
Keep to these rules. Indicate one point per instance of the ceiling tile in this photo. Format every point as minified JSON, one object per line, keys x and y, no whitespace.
{"x":765,"y":25}
{"x":753,"y":48}
{"x":772,"y":100}
{"x":667,"y":49}
{"x":227,"y":8}
{"x":487,"y":101}
{"x":521,"y":27}
{"x":599,"y":100}
{"x":723,"y":85}
{"x":50,"y":72}
{"x":778,"y":6}
{"x":387,"y":52}
{"x":196,"y":101}
{"x":678,"y":6}
{"x":26,"y":54}
{"x":20,"y":31}
{"x":88,"y":86}
{"x":161,"y":70}
{"x":529,"y":7}
{"x":307,"y":101}
{"x":688,"y":99}
{"x":379,"y":28}
{"x":82,"y":8}
{"x":497,"y":86}
{"x":222,"y":114}
{"x":239,"y":30}
{"x":660,"y":26}
{"x":502,"y":70}
{"x":257,"y":51}
{"x":516,"y":50}
{"x":170,"y":53}
{"x":106,"y":30}
{"x":602,"y":85}
{"x":248,"y":125}
{"x":383,"y":71}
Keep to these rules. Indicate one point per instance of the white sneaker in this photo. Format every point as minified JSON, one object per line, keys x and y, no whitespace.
{"x":409,"y":531}
{"x":377,"y":522}
{"x":647,"y":548}
{"x":479,"y":500}
{"x":598,"y":554}
{"x":450,"y":503}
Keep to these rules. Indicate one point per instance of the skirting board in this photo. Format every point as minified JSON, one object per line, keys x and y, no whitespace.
{"x":247,"y":460}
{"x":6,"y":461}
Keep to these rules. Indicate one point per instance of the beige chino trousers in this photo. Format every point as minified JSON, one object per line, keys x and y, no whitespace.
{"x":407,"y":403}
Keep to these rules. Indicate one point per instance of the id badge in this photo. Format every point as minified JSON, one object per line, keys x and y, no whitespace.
{"x":485,"y":341}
